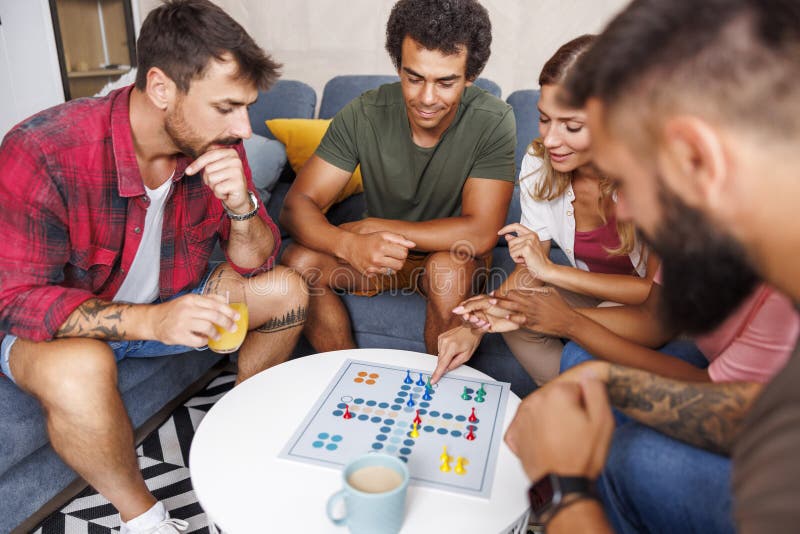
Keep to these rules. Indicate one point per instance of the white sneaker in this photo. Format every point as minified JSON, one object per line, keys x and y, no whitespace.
{"x":169,"y":526}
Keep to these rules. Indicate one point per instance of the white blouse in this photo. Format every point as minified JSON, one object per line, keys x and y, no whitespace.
{"x":555,"y":219}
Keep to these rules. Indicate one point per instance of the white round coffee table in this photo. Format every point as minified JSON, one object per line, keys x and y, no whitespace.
{"x":244,"y":487}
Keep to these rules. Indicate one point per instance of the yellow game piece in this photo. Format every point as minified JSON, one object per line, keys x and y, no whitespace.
{"x":444,"y":457}
{"x":459,"y":469}
{"x":445,"y":467}
{"x":414,"y":433}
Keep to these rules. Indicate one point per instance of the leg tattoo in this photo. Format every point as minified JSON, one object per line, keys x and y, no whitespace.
{"x":290,"y":319}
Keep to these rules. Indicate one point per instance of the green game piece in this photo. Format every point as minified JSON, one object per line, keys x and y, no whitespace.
{"x":481,"y":392}
{"x":478,"y":398}
{"x":428,"y":386}
{"x":465,"y":395}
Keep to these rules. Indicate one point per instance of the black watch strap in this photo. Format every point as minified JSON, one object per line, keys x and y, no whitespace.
{"x":552,"y":493}
{"x":576,"y":485}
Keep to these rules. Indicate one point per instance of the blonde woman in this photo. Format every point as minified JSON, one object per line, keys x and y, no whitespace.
{"x":564,"y":200}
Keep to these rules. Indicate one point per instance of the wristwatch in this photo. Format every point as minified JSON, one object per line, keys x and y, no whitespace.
{"x":552,"y":493}
{"x":243,"y":217}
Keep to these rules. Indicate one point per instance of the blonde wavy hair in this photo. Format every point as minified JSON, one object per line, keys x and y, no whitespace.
{"x":555,"y":183}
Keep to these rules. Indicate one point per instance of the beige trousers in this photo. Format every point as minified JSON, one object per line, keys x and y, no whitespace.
{"x":540,"y":354}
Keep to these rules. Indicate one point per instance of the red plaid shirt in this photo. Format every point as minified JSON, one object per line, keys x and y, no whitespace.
{"x":72,"y":211}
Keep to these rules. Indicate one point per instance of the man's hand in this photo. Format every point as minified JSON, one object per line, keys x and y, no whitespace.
{"x":563,"y":428}
{"x":377,"y":253}
{"x":526,"y":248}
{"x":542,"y":310}
{"x":223,"y":173}
{"x":189,"y":320}
{"x":456,"y":346}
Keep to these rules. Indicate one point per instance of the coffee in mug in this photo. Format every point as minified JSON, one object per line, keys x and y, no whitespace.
{"x":375,"y":479}
{"x":374,"y":495}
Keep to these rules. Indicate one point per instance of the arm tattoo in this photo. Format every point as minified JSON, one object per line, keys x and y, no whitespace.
{"x":705,"y":415}
{"x":289,"y":320}
{"x":96,"y":319}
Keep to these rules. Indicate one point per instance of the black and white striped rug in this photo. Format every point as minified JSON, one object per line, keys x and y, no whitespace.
{"x":164,"y":461}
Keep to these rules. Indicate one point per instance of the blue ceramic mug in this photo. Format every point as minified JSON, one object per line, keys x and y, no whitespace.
{"x":374,"y":495}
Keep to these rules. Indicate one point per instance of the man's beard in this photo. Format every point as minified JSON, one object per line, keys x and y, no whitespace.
{"x":187,"y":140}
{"x":706,"y":274}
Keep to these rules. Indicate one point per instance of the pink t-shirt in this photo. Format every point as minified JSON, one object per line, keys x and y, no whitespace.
{"x":755,"y":341}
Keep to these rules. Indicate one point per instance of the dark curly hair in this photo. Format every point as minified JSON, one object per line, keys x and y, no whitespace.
{"x":181,"y":37}
{"x":444,"y":25}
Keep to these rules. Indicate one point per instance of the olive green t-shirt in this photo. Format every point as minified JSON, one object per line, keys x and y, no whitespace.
{"x":403,"y":181}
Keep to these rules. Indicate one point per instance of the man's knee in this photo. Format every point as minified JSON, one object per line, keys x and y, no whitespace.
{"x":303,"y":260}
{"x":70,"y":369}
{"x":448,"y":278}
{"x":573,"y":355}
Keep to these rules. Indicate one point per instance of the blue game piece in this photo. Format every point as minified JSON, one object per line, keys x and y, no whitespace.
{"x":410,"y":402}
{"x":427,"y":395}
{"x":408,"y":379}
{"x":420,"y":382}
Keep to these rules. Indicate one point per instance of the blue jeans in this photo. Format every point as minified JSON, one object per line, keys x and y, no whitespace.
{"x":125,"y":349}
{"x":653,"y":483}
{"x":574,"y":354}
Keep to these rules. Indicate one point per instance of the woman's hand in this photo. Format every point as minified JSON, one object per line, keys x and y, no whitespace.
{"x":526,"y":248}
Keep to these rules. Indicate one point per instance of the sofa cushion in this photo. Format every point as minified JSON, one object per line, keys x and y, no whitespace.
{"x":266,"y":158}
{"x":287,"y":99}
{"x":340,"y":90}
{"x":301,"y":138}
{"x":526,"y":115}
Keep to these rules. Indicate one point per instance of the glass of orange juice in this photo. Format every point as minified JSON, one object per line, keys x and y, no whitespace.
{"x":232,"y":289}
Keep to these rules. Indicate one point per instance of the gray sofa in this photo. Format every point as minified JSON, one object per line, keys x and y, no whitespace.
{"x":30,"y":472}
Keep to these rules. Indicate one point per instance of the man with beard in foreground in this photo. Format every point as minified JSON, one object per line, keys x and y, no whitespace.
{"x":111,"y":209}
{"x":695,"y":113}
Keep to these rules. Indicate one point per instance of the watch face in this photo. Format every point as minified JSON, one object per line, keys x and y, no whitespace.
{"x":541,"y":495}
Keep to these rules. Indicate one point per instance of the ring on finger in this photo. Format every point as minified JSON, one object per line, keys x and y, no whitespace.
{"x":389,"y":271}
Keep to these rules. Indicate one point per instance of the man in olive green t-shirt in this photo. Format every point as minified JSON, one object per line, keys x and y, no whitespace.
{"x":437,"y":160}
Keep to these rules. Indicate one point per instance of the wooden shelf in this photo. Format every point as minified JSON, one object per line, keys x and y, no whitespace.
{"x":98,"y":73}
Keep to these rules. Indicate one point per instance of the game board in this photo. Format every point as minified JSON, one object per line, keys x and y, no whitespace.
{"x":376,"y":396}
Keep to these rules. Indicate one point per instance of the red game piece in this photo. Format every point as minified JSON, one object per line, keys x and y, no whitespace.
{"x":417,"y":419}
{"x":472,"y":417}
{"x":471,"y":435}
{"x":347,"y":414}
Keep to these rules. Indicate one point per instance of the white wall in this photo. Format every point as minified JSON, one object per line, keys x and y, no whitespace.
{"x":30,"y":79}
{"x":319,"y":39}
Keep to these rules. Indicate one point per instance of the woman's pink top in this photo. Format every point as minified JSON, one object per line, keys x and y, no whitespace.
{"x":755,"y":341}
{"x":592,"y":248}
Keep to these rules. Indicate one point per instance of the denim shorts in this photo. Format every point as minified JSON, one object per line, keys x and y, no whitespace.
{"x":126,"y":349}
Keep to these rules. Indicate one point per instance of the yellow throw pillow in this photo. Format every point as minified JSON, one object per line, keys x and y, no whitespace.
{"x":301,"y":138}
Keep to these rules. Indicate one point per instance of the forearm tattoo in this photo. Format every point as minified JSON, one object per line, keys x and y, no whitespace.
{"x":290,"y":319}
{"x":703,"y":414}
{"x":96,"y":319}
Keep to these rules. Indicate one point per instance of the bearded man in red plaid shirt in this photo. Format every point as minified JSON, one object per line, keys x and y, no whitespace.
{"x":111,"y":209}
